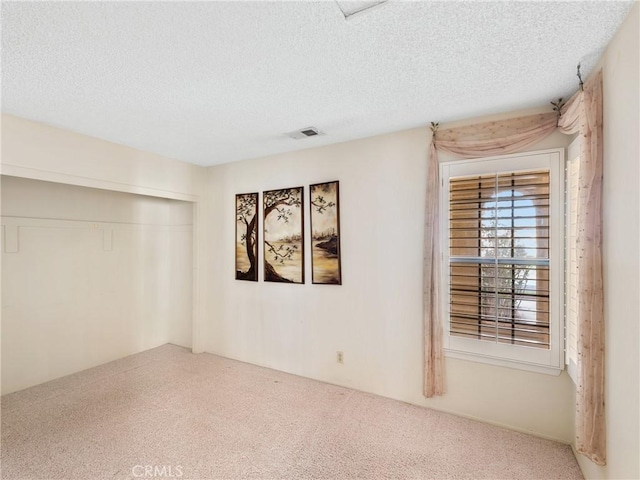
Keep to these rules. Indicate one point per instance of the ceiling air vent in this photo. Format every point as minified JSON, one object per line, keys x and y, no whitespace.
{"x":352,"y":8}
{"x":305,"y":133}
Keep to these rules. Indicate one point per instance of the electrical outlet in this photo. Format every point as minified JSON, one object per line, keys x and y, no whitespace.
{"x":339,"y":357}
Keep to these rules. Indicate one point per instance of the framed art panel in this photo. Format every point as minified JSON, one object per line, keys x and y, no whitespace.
{"x":247,"y":237}
{"x":283,"y":223}
{"x":325,"y":233}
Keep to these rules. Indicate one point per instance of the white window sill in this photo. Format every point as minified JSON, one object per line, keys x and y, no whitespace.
{"x":501,"y":362}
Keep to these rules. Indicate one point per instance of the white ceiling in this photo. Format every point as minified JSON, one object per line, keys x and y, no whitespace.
{"x":214,"y":82}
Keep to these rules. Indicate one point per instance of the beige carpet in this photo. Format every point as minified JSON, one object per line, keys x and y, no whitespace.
{"x":201,"y":416}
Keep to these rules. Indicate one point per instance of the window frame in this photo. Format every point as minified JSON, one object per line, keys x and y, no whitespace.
{"x":549,"y":361}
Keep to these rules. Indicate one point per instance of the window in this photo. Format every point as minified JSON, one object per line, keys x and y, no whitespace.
{"x":503,"y":259}
{"x":571,"y":258}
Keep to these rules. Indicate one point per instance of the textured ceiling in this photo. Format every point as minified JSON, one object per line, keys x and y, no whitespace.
{"x":213,"y":82}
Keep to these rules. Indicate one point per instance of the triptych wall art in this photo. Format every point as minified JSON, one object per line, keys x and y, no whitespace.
{"x":283,"y":225}
{"x":283,"y":235}
{"x":325,"y":233}
{"x":247,"y":237}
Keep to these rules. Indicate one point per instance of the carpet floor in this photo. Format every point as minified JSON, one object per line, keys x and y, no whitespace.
{"x":166,"y":413}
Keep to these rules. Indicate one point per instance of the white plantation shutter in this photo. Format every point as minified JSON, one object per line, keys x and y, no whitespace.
{"x":502,"y":227}
{"x":499,"y":257}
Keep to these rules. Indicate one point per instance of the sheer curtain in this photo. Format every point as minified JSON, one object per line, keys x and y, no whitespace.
{"x":479,"y":140}
{"x":583,"y":113}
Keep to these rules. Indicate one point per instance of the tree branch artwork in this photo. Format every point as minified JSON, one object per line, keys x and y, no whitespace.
{"x":325,"y":233}
{"x":247,"y":237}
{"x":283,"y":235}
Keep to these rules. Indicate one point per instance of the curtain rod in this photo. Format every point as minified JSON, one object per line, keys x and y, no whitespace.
{"x":557,"y":107}
{"x":579,"y":75}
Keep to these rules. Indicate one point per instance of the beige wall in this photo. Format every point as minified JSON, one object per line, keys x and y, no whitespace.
{"x":42,"y":152}
{"x":375,"y":317}
{"x":621,"y":260}
{"x":89,"y":276}
{"x":67,"y":303}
